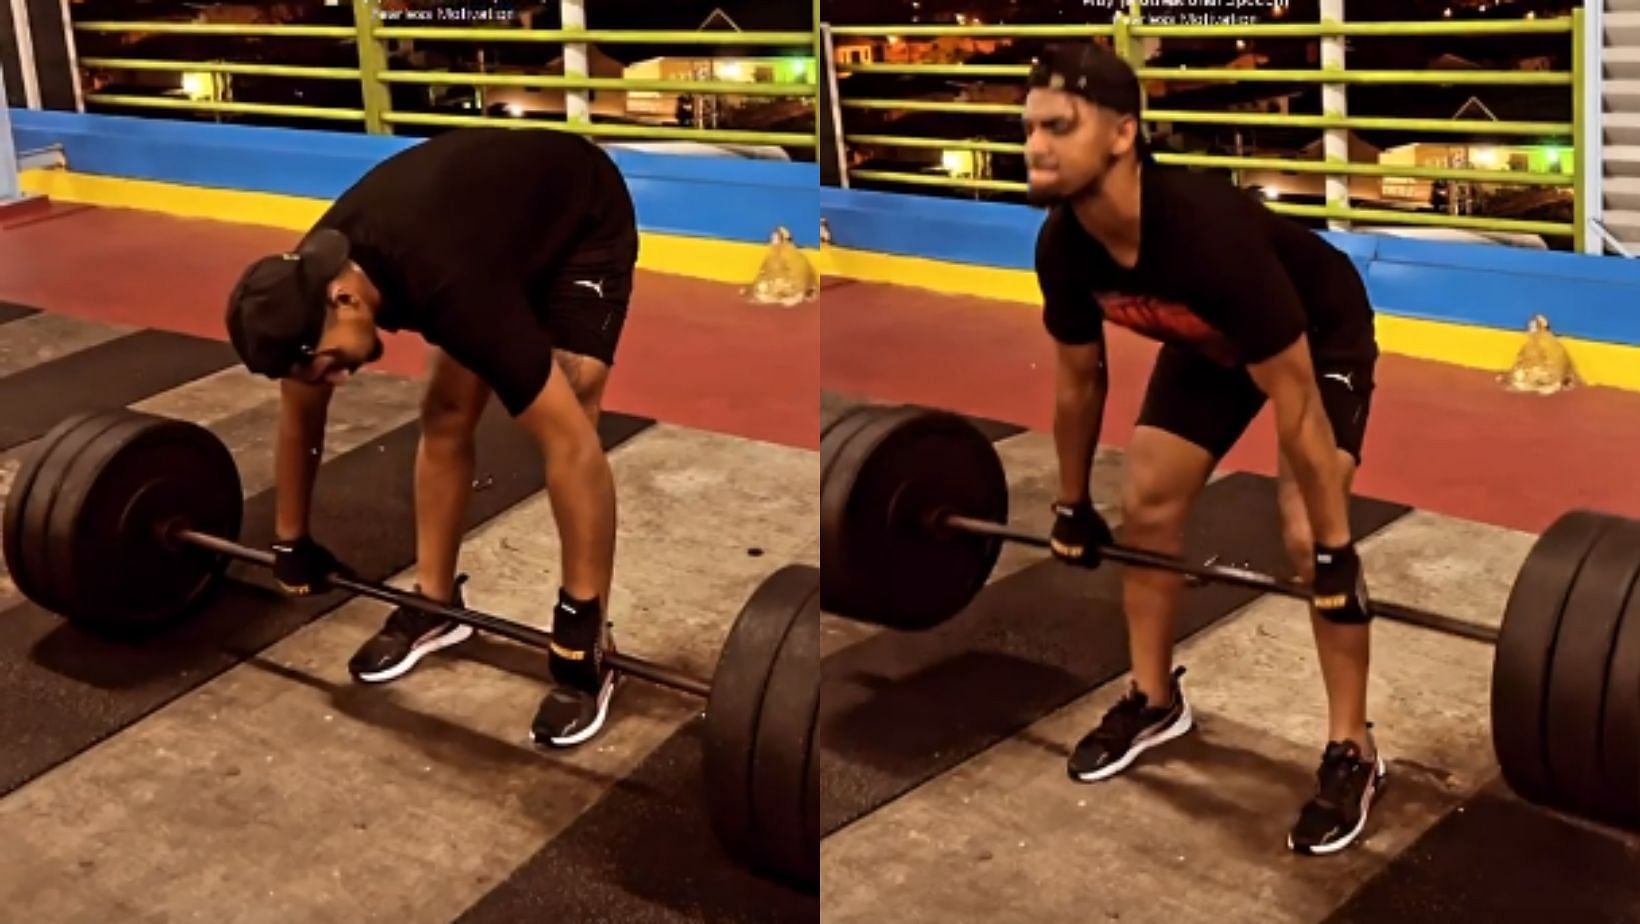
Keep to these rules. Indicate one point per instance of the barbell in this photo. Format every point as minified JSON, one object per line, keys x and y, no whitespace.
{"x":914,"y":510}
{"x":124,"y":523}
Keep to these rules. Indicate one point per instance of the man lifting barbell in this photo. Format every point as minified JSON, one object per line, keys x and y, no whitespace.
{"x":1248,"y":306}
{"x":512,"y":254}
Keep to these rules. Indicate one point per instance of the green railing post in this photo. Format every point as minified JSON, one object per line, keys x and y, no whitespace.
{"x":372,"y":62}
{"x":1580,"y":189}
{"x":1122,"y":41}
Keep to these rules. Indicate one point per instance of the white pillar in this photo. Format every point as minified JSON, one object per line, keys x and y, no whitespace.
{"x":1335,"y":101}
{"x":826,"y":69}
{"x":1591,"y":163}
{"x":25,"y":53}
{"x":9,"y":187}
{"x":73,"y":55}
{"x":575,"y":61}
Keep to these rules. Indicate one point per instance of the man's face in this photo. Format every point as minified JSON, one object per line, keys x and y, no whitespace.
{"x":1070,"y":145}
{"x":350,"y":339}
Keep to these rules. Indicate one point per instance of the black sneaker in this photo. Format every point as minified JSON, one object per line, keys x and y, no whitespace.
{"x":570,"y":716}
{"x":1128,"y":729}
{"x":1337,"y":814}
{"x":407,"y":637}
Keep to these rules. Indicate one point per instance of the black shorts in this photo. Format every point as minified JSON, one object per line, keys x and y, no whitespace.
{"x":583,"y":301}
{"x":1211,"y":405}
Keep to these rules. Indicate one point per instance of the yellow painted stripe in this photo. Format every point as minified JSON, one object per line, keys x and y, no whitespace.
{"x":1466,"y":345}
{"x":732,"y":262}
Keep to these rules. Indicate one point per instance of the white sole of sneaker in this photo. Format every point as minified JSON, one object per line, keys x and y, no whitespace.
{"x":569,"y":741}
{"x":1380,"y":773}
{"x":1185,"y":722}
{"x":455,"y":636}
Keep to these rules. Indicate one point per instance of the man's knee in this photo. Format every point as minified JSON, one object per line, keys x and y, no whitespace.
{"x":586,"y":377}
{"x":449,"y":421}
{"x":1153,"y":516}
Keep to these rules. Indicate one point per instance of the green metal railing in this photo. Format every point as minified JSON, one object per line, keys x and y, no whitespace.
{"x":1129,"y":27}
{"x":375,"y":75}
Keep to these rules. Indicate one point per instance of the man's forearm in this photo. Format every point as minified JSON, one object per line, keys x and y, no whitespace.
{"x":297,"y":454}
{"x":1307,"y":442}
{"x":1079,"y":410}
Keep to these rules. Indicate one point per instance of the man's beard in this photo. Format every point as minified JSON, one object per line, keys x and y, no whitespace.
{"x":1089,"y":189}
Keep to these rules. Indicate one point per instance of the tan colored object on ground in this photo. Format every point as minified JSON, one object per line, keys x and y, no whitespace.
{"x":1542,"y":366}
{"x":786,"y":276}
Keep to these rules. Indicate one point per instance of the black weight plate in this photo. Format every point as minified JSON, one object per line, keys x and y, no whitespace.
{"x":1620,"y":739}
{"x":22,"y":486}
{"x":891,"y":471}
{"x":60,"y":534}
{"x":47,"y":481}
{"x":1578,"y":671}
{"x":832,"y":440}
{"x":734,"y":709}
{"x":1526,"y":643}
{"x":112,"y":574}
{"x":811,"y":773}
{"x":835,"y":434}
{"x":785,"y":736}
{"x":857,"y":476}
{"x":850,"y":412}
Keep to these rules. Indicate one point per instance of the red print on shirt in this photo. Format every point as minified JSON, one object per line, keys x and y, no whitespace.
{"x":1168,"y":322}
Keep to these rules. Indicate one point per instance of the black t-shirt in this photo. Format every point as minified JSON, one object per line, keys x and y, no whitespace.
{"x":1218,"y":274}
{"x":458,"y":231}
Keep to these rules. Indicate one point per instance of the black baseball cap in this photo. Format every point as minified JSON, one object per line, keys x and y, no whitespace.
{"x":277,"y":310}
{"x":1097,"y":74}
{"x":1091,"y":71}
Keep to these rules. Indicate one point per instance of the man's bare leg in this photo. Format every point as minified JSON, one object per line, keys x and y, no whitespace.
{"x":445,"y":460}
{"x":1344,"y":651}
{"x":579,"y":486}
{"x":587,"y":377}
{"x":1164,"y":476}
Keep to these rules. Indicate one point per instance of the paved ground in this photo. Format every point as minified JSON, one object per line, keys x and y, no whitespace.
{"x":239,"y":775}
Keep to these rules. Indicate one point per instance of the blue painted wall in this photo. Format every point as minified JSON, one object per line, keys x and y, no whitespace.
{"x":716,"y":197}
{"x":1588,"y":297}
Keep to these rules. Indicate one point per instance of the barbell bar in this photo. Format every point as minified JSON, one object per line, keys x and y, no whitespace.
{"x":1224,"y":574}
{"x":495,"y":625}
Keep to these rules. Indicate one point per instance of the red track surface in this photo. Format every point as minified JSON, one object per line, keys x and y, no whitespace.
{"x":693,"y":353}
{"x":1441,"y":438}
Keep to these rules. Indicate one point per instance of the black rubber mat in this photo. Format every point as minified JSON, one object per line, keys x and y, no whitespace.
{"x":65,"y":691}
{"x":1502,"y":860}
{"x":118,"y":373}
{"x":833,"y":405}
{"x":13,"y":312}
{"x":643,"y":853}
{"x":898,"y":709}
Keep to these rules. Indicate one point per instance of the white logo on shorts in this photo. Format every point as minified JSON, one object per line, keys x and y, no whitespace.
{"x":1342,"y":377}
{"x":595,"y":285}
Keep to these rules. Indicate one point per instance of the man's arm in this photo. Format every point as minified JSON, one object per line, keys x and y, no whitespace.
{"x":1080,"y":386}
{"x":1307,"y":440}
{"x":303,"y":409}
{"x":1075,"y":323}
